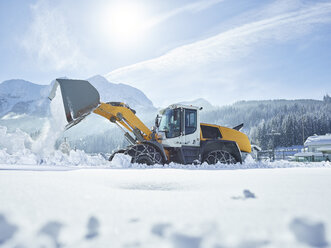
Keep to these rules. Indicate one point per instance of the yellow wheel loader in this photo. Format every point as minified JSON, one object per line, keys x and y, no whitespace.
{"x":178,"y":135}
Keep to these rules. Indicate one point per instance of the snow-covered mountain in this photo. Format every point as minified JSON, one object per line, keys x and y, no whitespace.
{"x":110,"y":92}
{"x":18,"y":97}
{"x":26,"y":106}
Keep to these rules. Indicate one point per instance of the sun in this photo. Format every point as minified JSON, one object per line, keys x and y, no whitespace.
{"x":125,"y":21}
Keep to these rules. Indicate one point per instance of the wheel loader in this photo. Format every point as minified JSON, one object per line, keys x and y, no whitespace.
{"x":178,"y":135}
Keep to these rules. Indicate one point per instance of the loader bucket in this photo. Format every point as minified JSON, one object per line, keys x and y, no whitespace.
{"x":80,"y":98}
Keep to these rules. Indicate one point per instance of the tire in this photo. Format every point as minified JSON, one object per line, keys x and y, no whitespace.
{"x":144,"y":154}
{"x":220,"y":156}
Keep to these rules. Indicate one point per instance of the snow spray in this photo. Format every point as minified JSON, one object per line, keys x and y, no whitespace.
{"x":53,"y":127}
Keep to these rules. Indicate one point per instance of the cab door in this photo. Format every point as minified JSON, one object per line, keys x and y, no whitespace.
{"x":191,"y":130}
{"x":171,"y":126}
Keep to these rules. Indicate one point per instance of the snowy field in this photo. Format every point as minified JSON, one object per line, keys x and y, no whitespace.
{"x":53,"y":199}
{"x":123,"y":205}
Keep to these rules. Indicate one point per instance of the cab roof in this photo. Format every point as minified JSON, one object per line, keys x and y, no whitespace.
{"x":175,"y":106}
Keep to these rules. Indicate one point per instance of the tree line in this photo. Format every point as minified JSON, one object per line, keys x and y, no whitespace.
{"x":292,"y":120}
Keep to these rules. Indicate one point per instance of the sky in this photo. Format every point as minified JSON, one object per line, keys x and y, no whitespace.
{"x":220,"y":50}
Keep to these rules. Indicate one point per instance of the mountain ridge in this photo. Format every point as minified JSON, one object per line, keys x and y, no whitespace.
{"x":200,"y":102}
{"x":20,"y":96}
{"x":111,"y":92}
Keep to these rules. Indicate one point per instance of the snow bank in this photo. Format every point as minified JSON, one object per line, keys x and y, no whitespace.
{"x":15,"y":141}
{"x":57,"y":158}
{"x":19,"y":148}
{"x":123,"y":161}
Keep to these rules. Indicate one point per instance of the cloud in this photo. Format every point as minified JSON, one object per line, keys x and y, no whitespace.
{"x":191,"y":8}
{"x":206,"y":67}
{"x":49,"y":40}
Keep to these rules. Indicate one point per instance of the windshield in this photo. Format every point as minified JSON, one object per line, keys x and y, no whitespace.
{"x":170,"y":123}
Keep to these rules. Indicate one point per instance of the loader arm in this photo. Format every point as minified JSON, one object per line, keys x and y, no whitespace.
{"x":80,"y":99}
{"x":123,"y":116}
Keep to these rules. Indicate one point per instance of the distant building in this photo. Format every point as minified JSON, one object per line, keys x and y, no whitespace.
{"x":317,"y":148}
{"x":279,"y":153}
{"x":255,"y":150}
{"x":286,"y":153}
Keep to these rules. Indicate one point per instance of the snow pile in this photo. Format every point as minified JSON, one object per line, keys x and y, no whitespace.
{"x":58,"y":158}
{"x":19,"y":148}
{"x":12,"y":142}
{"x":121,"y":160}
{"x":15,"y":148}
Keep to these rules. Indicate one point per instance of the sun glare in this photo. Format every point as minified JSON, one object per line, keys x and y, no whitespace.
{"x":125,"y":22}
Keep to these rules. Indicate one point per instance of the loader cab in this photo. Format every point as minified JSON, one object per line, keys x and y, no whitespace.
{"x":180,"y":126}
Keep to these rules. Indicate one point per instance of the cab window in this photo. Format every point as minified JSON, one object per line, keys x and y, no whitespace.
{"x":190,"y":121}
{"x":171,"y":123}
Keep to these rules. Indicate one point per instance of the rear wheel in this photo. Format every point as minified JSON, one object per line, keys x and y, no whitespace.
{"x":220,"y":156}
{"x":144,"y":154}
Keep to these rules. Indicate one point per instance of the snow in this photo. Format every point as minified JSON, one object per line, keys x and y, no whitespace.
{"x":110,"y":92}
{"x":312,"y":234}
{"x":21,"y":90}
{"x":19,"y":148}
{"x":102,"y":207}
{"x":6,"y":229}
{"x":22,"y":97}
{"x":53,"y":127}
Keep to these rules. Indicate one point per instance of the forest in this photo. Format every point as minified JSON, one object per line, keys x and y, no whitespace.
{"x":292,"y":120}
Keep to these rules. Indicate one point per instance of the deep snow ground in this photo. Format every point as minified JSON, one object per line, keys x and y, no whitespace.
{"x":165,"y":207}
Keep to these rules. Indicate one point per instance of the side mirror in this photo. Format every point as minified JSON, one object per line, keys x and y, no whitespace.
{"x":157,"y":121}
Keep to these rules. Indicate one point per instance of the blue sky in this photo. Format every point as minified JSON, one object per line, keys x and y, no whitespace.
{"x":221,"y":50}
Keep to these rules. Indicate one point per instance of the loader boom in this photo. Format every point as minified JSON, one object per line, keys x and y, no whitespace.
{"x":125,"y":117}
